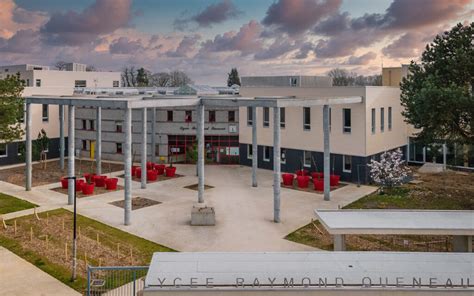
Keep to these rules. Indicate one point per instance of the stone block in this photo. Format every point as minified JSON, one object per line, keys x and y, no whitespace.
{"x":202,"y":215}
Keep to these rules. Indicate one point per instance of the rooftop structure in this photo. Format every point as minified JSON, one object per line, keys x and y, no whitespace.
{"x":286,"y":81}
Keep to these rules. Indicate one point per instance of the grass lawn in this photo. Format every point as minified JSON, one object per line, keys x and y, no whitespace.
{"x":9,"y":204}
{"x":47,"y":244}
{"x":446,"y":191}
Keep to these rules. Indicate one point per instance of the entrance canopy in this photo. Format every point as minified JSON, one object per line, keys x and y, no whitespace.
{"x":127,"y":104}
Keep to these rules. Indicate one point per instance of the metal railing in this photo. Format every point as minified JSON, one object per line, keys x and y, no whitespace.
{"x":116,"y":280}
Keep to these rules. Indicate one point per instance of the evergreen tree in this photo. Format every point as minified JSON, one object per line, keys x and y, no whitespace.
{"x":142,"y":77}
{"x":11,"y":108}
{"x":437,"y":93}
{"x":233,"y":77}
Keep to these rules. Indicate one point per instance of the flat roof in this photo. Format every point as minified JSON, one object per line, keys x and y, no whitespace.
{"x":427,"y":222}
{"x":307,"y":270}
{"x":145,"y":101}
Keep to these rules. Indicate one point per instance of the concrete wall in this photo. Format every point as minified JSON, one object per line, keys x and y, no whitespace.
{"x":286,"y":81}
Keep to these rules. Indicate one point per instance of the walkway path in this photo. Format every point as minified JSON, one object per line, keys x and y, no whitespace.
{"x":20,"y":278}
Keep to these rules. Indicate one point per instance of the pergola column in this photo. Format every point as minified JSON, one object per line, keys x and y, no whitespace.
{"x":143,"y":158}
{"x":153,"y":134}
{"x":200,"y":138}
{"x":276,"y":164}
{"x":61,"y":136}
{"x":327,"y":154}
{"x":445,"y":150}
{"x":98,"y":141}
{"x":70,"y":152}
{"x":28,"y":149}
{"x":127,"y":155}
{"x":254,"y":147}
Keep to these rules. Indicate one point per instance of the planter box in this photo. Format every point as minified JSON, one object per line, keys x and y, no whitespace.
{"x":111,"y":183}
{"x":302,"y":173}
{"x":288,"y":179}
{"x":170,"y":171}
{"x":318,"y":184}
{"x":303,"y":181}
{"x":88,"y":189}
{"x":152,"y":175}
{"x":317,"y":175}
{"x":64,"y":183}
{"x":100,"y":181}
{"x":334,"y":180}
{"x":159,"y":168}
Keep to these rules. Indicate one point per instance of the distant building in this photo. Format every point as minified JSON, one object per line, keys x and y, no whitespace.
{"x":196,"y":90}
{"x":41,"y":80}
{"x":287,"y":81}
{"x":392,"y":76}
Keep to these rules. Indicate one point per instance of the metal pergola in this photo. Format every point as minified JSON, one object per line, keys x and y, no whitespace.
{"x":200,"y":103}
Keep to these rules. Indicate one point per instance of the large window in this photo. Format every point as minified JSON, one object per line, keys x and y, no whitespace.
{"x":188,"y":116}
{"x":249,"y":151}
{"x":3,"y":150}
{"x":266,"y":117}
{"x":80,"y":83}
{"x":346,"y":120}
{"x":306,"y":118}
{"x":231,"y":116}
{"x":249,"y":116}
{"x":84,"y":144}
{"x":45,"y":112}
{"x":373,"y":121}
{"x":347,"y":163}
{"x":212,"y":116}
{"x":169,"y":116}
{"x":266,"y":153}
{"x":389,"y":118}
{"x":382,"y":119}
{"x":282,"y":118}
{"x":307,"y":158}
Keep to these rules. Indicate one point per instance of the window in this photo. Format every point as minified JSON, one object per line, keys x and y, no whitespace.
{"x":27,"y":82}
{"x":266,"y":117}
{"x":282,"y":118}
{"x":84,"y":144}
{"x":347,"y":163}
{"x":84,"y":124}
{"x":38,"y":82}
{"x":45,"y":112}
{"x":307,"y":158}
{"x":188,"y":117}
{"x":118,"y":148}
{"x":3,"y":150}
{"x":266,"y":153}
{"x":382,"y":119}
{"x":294,"y":81}
{"x":212,"y":116}
{"x":389,"y":118}
{"x":306,"y":118}
{"x":118,"y":126}
{"x":283,"y":155}
{"x":80,"y":83}
{"x":231,"y":116}
{"x":249,"y":151}
{"x":346,"y":117}
{"x":373,"y":121}
{"x":115,"y":83}
{"x":249,"y":116}
{"x":22,"y":114}
{"x":169,"y":116}
{"x":91,"y":125}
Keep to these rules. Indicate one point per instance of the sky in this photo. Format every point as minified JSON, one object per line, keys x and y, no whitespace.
{"x":206,"y":38}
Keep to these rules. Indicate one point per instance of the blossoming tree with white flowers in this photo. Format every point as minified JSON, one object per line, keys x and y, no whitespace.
{"x":390,"y":171}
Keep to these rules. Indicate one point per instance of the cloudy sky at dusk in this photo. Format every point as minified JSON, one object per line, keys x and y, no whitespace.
{"x":205,"y":38}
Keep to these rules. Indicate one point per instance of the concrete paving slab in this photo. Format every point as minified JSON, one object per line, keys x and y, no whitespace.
{"x":20,"y":278}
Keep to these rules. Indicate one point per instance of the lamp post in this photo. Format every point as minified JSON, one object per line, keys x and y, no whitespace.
{"x":74,"y":242}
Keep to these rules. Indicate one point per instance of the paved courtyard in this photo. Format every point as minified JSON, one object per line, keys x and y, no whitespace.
{"x":243,"y":214}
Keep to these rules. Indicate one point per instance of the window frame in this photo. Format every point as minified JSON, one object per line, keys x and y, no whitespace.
{"x":38,"y":82}
{"x":282,"y":117}
{"x":117,"y":124}
{"x":390,"y":118}
{"x":382,"y":119}
{"x":306,"y":126}
{"x":213,"y":116}
{"x":249,"y":151}
{"x":267,"y":159}
{"x":249,"y":116}
{"x":6,"y":150}
{"x":266,"y":116}
{"x":169,"y":114}
{"x":45,"y":118}
{"x":84,"y":145}
{"x":283,"y":153}
{"x":373,"y":121}
{"x":306,"y":165}
{"x":346,"y":129}
{"x":116,"y":83}
{"x":84,"y":124}
{"x":91,"y":124}
{"x":80,"y":83}
{"x":229,"y":117}
{"x":117,"y":149}
{"x":344,"y":163}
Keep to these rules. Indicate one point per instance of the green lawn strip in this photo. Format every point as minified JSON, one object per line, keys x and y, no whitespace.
{"x":55,"y":270}
{"x":109,"y":237}
{"x":9,"y":204}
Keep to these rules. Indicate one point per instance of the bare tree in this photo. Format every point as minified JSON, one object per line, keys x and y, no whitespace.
{"x":342,"y":77}
{"x":161,"y":79}
{"x":60,"y":65}
{"x":179,"y":78}
{"x":91,"y":68}
{"x":129,"y":77}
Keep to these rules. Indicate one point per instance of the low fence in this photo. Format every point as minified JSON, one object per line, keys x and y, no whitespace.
{"x":116,"y":280}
